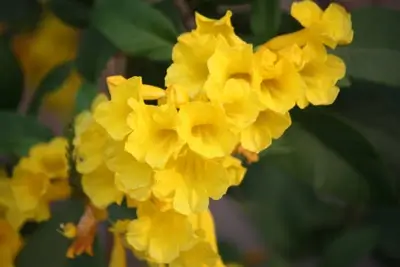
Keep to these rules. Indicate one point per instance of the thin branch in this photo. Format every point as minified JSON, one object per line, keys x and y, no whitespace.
{"x":186,"y":12}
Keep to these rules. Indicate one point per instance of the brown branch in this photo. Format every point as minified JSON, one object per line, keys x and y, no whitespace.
{"x":187,"y":14}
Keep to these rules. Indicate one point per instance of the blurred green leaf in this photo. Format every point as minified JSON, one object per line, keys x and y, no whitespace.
{"x":352,"y":148}
{"x":285,"y":208}
{"x":265,"y":19}
{"x":20,"y":15}
{"x":374,"y":54}
{"x":11,"y":77}
{"x":229,"y":252}
{"x":73,"y":12}
{"x":388,"y":221}
{"x":94,"y":52}
{"x":121,"y":212}
{"x":152,"y":72}
{"x":350,"y":247}
{"x":20,"y":133}
{"x":169,"y":9}
{"x":46,"y":247}
{"x":136,"y":27}
{"x":376,"y":115}
{"x":53,"y":80}
{"x":84,"y":97}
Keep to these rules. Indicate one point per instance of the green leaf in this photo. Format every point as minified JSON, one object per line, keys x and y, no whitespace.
{"x":93,"y":54}
{"x":73,"y":12}
{"x":136,"y":28}
{"x":11,"y":77}
{"x":286,"y":209}
{"x":374,"y":54}
{"x":20,"y":133}
{"x":388,"y":221}
{"x":84,"y":97}
{"x":168,"y":8}
{"x":121,"y":212}
{"x":350,"y":247}
{"x":152,"y":72}
{"x":53,"y":80}
{"x":46,"y":247}
{"x":265,"y":19}
{"x":355,"y":152}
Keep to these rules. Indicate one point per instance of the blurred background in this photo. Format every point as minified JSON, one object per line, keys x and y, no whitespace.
{"x":326,"y":194}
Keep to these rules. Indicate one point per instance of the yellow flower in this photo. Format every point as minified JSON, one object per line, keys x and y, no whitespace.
{"x":68,"y":230}
{"x":332,"y":26}
{"x":221,"y":27}
{"x":189,"y":70}
{"x":191,"y":182}
{"x":62,"y":100}
{"x":201,"y":255}
{"x":90,"y":139}
{"x":320,"y":72}
{"x":118,"y":255}
{"x":10,"y":244}
{"x":234,"y":169}
{"x":99,"y":186}
{"x":89,"y":142}
{"x":8,"y":205}
{"x":50,"y":44}
{"x":132,"y":177}
{"x":204,"y":127}
{"x":41,"y":178}
{"x":232,"y":83}
{"x":280,"y":83}
{"x":51,"y":158}
{"x":160,"y":235}
{"x":268,"y":125}
{"x":155,"y":139}
{"x":112,"y":115}
{"x":205,"y":252}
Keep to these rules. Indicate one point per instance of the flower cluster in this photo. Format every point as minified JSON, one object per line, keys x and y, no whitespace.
{"x":36,"y":181}
{"x":168,"y":160}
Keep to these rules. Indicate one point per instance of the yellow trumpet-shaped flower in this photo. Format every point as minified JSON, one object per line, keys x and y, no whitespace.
{"x":204,"y":127}
{"x":218,"y":27}
{"x":319,"y":71}
{"x":160,"y":235}
{"x":191,"y":182}
{"x":132,"y":177}
{"x":9,"y":209}
{"x":233,"y":82}
{"x":332,"y":26}
{"x":268,"y":125}
{"x":41,"y":178}
{"x":234,"y":169}
{"x":100,"y":186}
{"x":118,"y":254}
{"x":112,"y":115}
{"x":155,"y":139}
{"x":189,"y":69}
{"x":281,"y":84}
{"x":90,"y":144}
{"x":10,"y":244}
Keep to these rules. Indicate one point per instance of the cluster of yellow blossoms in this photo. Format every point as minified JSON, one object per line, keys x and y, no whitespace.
{"x":167,"y":160}
{"x":36,"y":181}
